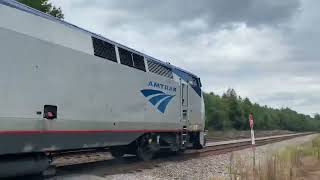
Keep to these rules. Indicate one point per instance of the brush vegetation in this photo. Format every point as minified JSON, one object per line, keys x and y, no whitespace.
{"x":299,"y":162}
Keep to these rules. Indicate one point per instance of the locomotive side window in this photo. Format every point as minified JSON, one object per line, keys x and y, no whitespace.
{"x":104,"y":49}
{"x":131,"y":59}
{"x":125,"y":57}
{"x":138,"y":62}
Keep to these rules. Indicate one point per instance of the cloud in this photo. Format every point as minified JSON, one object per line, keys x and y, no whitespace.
{"x":265,"y":49}
{"x":253,"y":12}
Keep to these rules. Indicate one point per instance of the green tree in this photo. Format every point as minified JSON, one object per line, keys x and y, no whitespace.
{"x":234,"y":109}
{"x":216,"y":117}
{"x":231,"y":111}
{"x":44,"y":6}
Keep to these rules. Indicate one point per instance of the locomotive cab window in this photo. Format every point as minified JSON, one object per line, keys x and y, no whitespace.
{"x":199,"y":82}
{"x":194,"y":82}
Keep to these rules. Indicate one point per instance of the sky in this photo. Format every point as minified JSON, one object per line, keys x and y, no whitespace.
{"x":266,"y":50}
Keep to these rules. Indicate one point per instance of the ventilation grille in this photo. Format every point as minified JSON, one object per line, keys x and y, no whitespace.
{"x":159,"y":69}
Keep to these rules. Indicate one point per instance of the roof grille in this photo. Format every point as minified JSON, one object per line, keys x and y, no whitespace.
{"x":159,"y":69}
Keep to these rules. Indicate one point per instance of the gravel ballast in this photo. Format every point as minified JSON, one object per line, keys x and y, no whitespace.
{"x":209,"y":167}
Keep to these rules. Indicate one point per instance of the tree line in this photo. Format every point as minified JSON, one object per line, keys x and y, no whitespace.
{"x":44,"y":6}
{"x":230,"y":111}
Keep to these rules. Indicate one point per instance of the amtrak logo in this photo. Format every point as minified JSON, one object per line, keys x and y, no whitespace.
{"x":158,"y":98}
{"x":162,"y":86}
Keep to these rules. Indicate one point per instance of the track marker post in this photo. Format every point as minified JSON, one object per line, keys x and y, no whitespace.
{"x":251,"y":121}
{"x":253,"y":144}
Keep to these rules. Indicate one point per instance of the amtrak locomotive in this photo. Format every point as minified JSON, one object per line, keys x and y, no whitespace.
{"x":64,"y":88}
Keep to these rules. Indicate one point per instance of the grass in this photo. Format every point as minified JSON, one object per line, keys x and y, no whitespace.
{"x":296,"y":162}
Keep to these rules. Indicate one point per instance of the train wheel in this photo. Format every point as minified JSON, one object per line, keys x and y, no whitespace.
{"x":144,"y":150}
{"x":199,"y":141}
{"x":117,"y":152}
{"x":145,"y":153}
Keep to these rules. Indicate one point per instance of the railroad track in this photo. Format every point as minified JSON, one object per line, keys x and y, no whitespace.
{"x":102,"y":164}
{"x":233,"y":145}
{"x":216,"y":139}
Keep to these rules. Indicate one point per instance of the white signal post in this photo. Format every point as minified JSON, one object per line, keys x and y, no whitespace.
{"x":252,"y":131}
{"x":253,"y":145}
